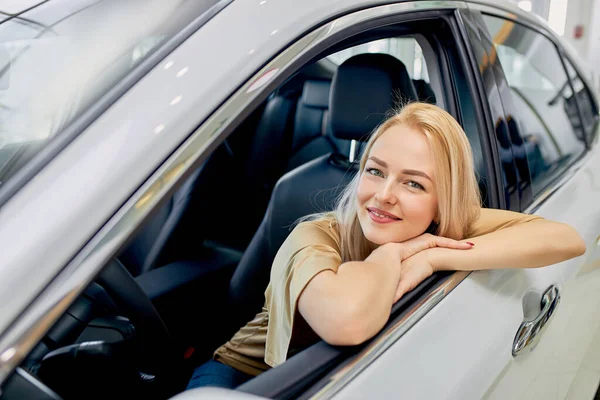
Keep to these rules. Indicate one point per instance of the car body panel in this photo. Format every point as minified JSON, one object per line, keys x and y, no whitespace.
{"x":460,"y":349}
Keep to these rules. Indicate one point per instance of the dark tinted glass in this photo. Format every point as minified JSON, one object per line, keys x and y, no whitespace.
{"x":545,"y":107}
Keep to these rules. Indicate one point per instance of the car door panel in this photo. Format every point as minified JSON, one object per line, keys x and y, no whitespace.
{"x":555,"y":367}
{"x":559,"y":366}
{"x":456,"y":350}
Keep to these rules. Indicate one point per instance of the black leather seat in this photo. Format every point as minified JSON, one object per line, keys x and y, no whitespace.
{"x":312,"y":135}
{"x":424,"y":91}
{"x":364,"y":89}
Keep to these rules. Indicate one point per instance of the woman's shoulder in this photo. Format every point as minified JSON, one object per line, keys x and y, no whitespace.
{"x":322,"y":230}
{"x":315,"y":239}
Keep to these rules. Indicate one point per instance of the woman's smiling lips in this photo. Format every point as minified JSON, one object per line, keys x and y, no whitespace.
{"x":381,"y":217}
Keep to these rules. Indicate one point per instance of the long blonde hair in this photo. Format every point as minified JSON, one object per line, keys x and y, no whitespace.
{"x":456,"y":185}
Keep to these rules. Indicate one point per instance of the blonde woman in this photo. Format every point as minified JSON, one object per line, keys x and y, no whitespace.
{"x":412,"y":209}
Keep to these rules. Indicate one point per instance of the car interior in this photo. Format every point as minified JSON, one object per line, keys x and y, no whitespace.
{"x":197,"y":269}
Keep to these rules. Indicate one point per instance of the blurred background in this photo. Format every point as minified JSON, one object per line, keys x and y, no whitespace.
{"x":578,"y":21}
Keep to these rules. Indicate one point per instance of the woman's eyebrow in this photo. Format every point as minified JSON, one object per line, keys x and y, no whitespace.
{"x":404,"y":171}
{"x":378,"y":161}
{"x":415,"y":172}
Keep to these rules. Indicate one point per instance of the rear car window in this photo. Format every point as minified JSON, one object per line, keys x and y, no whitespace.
{"x":587,"y":106}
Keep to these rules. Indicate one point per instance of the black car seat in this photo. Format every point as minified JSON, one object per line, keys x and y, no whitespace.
{"x":364,"y":89}
{"x":424,"y":91}
{"x":312,"y":135}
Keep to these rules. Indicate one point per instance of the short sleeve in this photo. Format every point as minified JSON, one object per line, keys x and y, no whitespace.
{"x":491,"y":220}
{"x":311,"y":248}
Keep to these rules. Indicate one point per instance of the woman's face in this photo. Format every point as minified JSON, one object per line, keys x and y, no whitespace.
{"x":396,"y":193}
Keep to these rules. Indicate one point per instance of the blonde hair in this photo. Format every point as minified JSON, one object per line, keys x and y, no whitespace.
{"x":459,"y":199}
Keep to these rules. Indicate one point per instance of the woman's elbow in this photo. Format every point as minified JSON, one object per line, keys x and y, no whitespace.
{"x":350,"y":327}
{"x":350,"y":334}
{"x":578,"y":247}
{"x":575,"y":245}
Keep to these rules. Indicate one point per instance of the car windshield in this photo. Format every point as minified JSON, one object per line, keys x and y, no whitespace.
{"x":58,"y":57}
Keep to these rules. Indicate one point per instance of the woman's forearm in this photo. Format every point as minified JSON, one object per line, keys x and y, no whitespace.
{"x":369,"y":289}
{"x":530,"y":245}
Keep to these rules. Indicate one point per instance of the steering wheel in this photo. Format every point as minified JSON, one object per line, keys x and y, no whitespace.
{"x":156,"y":349}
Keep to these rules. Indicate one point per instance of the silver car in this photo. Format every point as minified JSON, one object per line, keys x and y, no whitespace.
{"x":154,"y":155}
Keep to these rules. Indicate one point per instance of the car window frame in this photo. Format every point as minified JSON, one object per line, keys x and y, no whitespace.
{"x":48,"y":306}
{"x":531,"y":204}
{"x":492,"y":73}
{"x":489,"y":111}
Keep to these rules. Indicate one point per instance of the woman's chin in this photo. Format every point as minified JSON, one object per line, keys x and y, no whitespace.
{"x":378,"y":239}
{"x":379,"y":235}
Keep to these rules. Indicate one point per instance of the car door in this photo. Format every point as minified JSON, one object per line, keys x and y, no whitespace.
{"x":551,"y":122}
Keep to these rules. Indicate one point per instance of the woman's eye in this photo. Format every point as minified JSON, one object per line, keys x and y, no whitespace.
{"x":374,"y":172}
{"x":415,"y":185}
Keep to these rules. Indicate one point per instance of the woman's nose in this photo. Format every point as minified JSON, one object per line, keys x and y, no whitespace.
{"x":386,"y":193}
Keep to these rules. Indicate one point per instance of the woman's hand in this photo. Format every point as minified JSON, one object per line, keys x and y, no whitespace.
{"x":398,"y":252}
{"x":414,"y":270}
{"x":427,"y":241}
{"x":416,"y":266}
{"x":395,"y":253}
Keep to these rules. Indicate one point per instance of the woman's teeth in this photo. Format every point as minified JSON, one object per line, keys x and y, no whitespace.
{"x":382,"y":216}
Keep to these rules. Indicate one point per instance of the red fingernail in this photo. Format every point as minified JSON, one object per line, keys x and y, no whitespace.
{"x":471,"y":244}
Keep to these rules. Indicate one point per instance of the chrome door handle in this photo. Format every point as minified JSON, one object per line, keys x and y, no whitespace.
{"x":529,"y":332}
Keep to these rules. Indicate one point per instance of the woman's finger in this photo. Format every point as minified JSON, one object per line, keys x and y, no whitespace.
{"x":417,"y":244}
{"x":427,"y":241}
{"x":452,"y":244}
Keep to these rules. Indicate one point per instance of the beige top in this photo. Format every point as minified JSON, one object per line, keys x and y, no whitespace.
{"x":279,"y":331}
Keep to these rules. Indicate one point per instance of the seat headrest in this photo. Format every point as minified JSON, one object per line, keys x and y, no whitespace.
{"x":364,"y":89}
{"x":315,"y":93}
{"x":424,"y":91}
